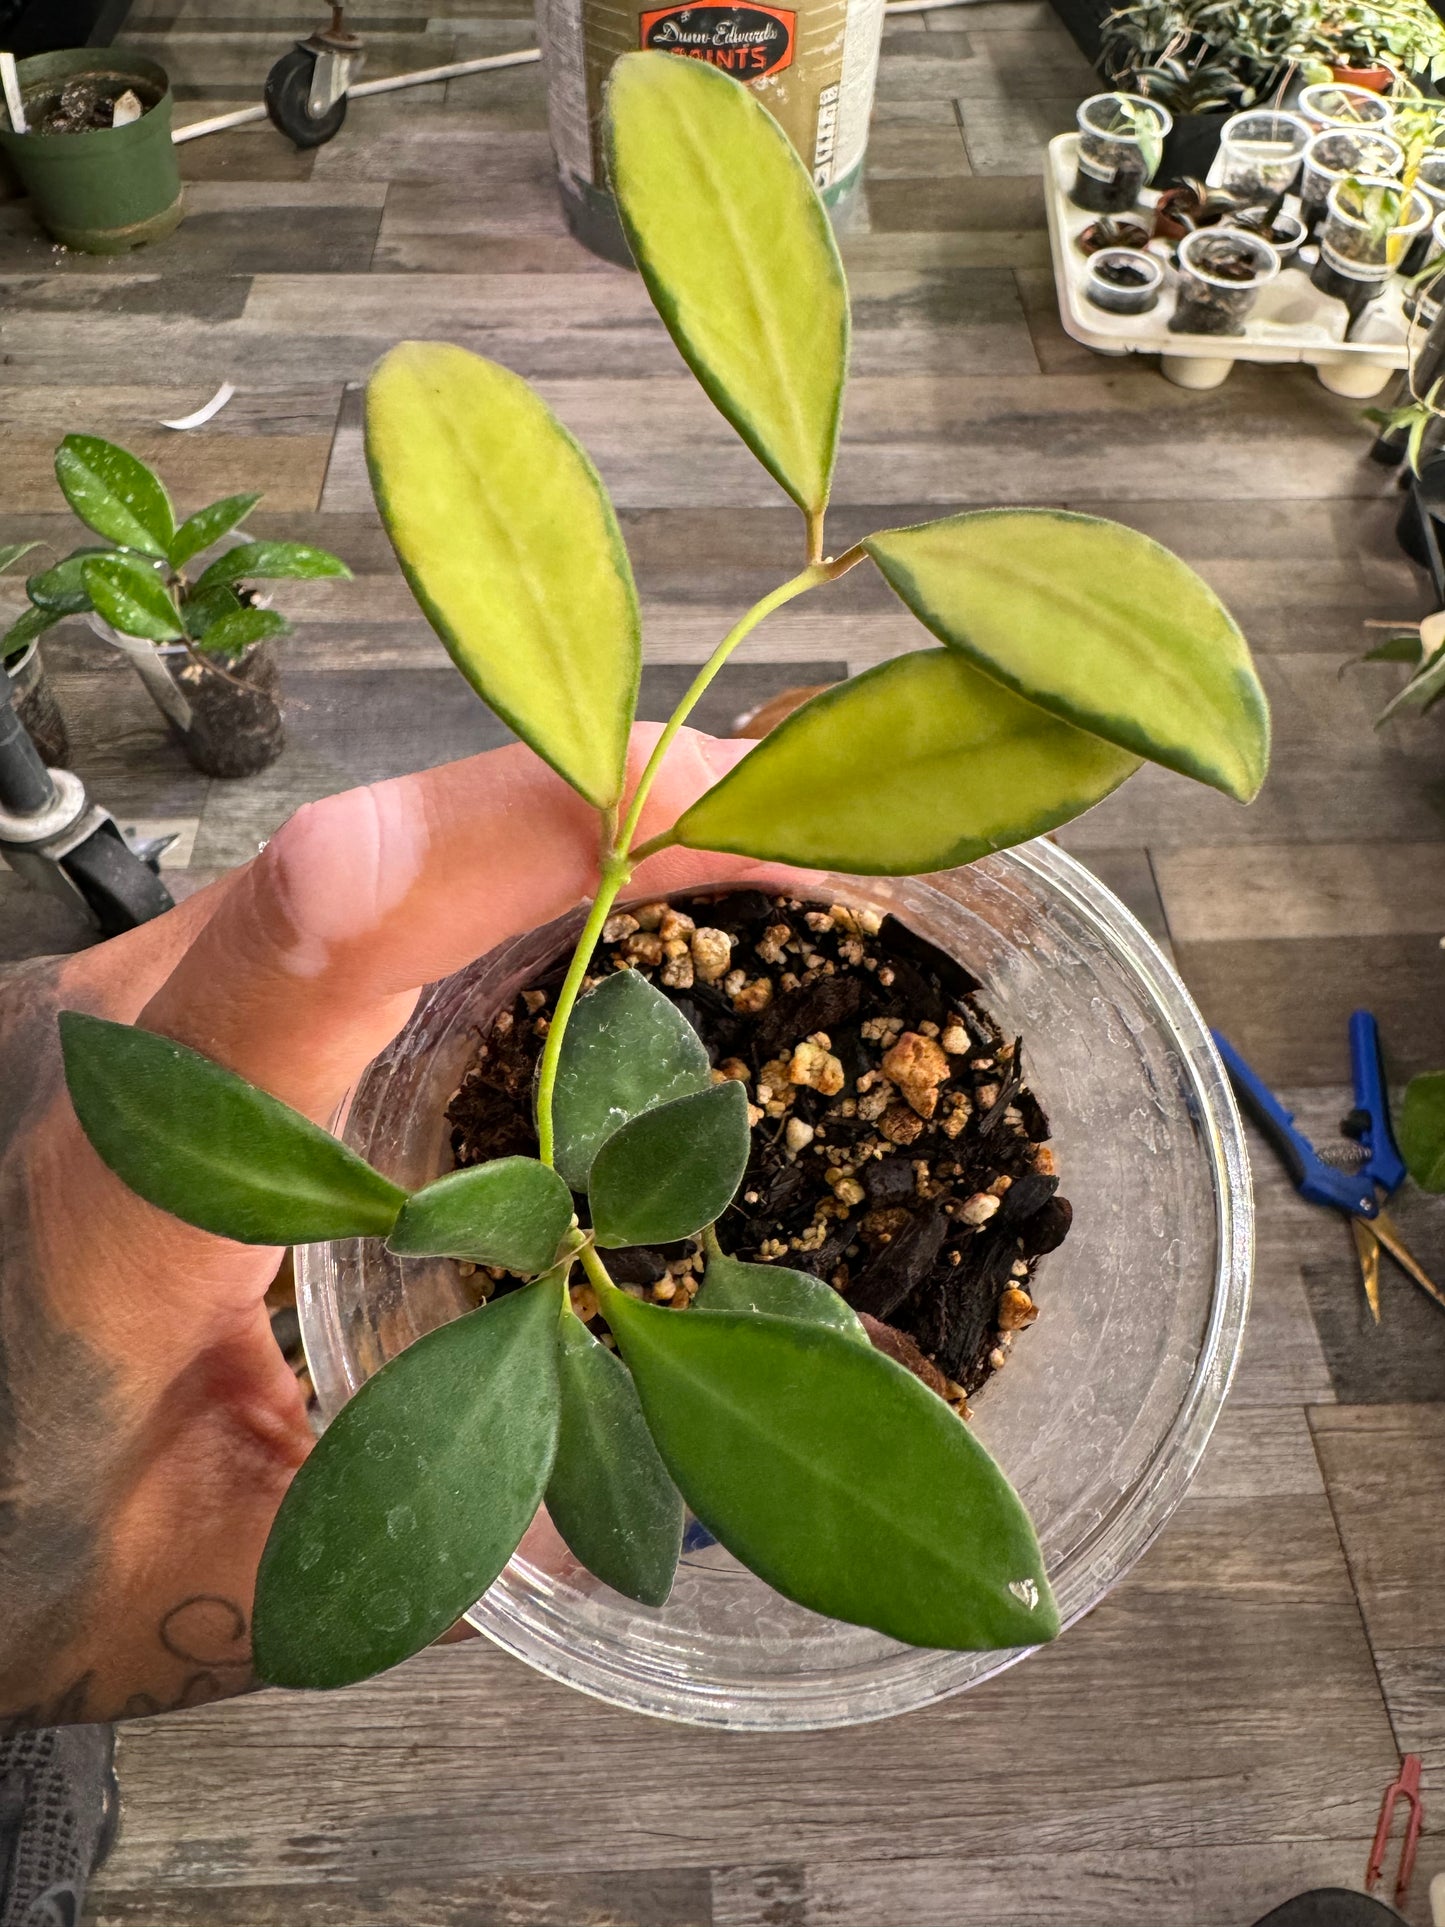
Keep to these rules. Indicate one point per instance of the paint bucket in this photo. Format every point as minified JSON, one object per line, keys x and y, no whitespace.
{"x":813,"y":65}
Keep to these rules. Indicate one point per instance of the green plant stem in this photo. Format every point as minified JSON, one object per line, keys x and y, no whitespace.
{"x":595,"y":1269}
{"x":812,"y":577}
{"x":615,"y":872}
{"x":814,"y":519}
{"x":618,"y":861}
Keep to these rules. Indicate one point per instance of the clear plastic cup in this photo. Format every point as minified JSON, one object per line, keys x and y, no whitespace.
{"x":1334,"y":103}
{"x":1430,"y":181}
{"x":1260,"y":153}
{"x":1103,"y":1412}
{"x":1124,"y":280}
{"x":1337,"y":154}
{"x":1369,"y":229}
{"x":1121,"y":140}
{"x":1221,"y":271}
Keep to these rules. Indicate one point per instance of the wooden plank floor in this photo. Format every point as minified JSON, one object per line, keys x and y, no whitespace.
{"x":1217,"y":1735}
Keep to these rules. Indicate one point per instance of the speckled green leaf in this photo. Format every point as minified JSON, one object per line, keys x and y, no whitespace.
{"x":738,"y":255}
{"x":672,"y":1170}
{"x":1421,"y":1130}
{"x":730,"y":1284}
{"x":131,"y":597}
{"x":114,"y":493}
{"x":509,"y":542}
{"x":11,"y":552}
{"x":29,"y":624}
{"x":272,"y":561}
{"x":610,"y":1495}
{"x":208,"y":525}
{"x":627,"y":1048}
{"x":1096,"y":624}
{"x":512,"y":1212}
{"x":62,"y":589}
{"x":237,"y":630}
{"x":415,"y":1497}
{"x":205,"y":1145}
{"x":919,"y":764}
{"x":835,"y":1476}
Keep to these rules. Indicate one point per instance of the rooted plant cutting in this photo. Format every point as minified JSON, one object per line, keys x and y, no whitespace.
{"x":144,"y":589}
{"x":1067,"y":650}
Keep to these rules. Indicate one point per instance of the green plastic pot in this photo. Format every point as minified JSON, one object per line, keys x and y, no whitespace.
{"x":109,"y":190}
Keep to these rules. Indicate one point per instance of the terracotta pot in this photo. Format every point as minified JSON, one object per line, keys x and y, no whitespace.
{"x":1377,"y":79}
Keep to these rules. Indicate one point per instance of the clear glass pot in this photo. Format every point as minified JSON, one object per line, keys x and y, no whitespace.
{"x":1105,"y":1407}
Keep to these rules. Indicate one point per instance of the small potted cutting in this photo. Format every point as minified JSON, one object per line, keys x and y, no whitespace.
{"x":1065,"y":650}
{"x":1369,"y":229}
{"x":1121,"y":142}
{"x":1221,"y":271}
{"x":148,"y":591}
{"x":30,"y":690}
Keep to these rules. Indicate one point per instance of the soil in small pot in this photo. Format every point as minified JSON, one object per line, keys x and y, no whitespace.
{"x":84,"y":104}
{"x":897,"y":1152}
{"x":1203,"y":308}
{"x":35,"y":705}
{"x":236,"y":725}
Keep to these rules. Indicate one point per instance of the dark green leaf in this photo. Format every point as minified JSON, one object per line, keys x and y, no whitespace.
{"x":255,"y":561}
{"x":919,"y":764}
{"x":1396,"y":649}
{"x":24,"y":630}
{"x":738,"y":255}
{"x":1421,"y":1130}
{"x":1096,"y":624}
{"x":414,"y":1499}
{"x":836,"y":1477}
{"x":731,"y":1285}
{"x":200,"y":611}
{"x":242,"y":629}
{"x":62,"y":589}
{"x":132,"y":598}
{"x":512,"y":1212}
{"x":210,"y":1148}
{"x":11,"y":552}
{"x":610,"y":1496}
{"x":115,"y":494}
{"x":510,"y":544}
{"x":208,"y":525}
{"x":672,"y":1170}
{"x":627,"y":1049}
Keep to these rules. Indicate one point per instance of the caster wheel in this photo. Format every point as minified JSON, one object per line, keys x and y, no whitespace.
{"x":288,"y":93}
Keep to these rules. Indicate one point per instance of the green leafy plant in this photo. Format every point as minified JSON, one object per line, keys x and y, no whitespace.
{"x":1066,"y":650}
{"x":1422,"y":645}
{"x":144,"y":581}
{"x":1200,"y":56}
{"x":1407,"y":36}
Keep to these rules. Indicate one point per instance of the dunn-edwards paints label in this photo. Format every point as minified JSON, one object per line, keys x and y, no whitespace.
{"x":813,"y":66}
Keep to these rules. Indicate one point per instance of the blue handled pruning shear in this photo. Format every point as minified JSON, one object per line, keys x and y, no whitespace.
{"x":1356,"y":1177}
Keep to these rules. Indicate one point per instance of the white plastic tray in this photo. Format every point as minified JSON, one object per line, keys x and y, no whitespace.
{"x":1291,"y":320}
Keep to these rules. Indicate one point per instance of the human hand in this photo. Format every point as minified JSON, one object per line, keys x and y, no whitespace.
{"x":149,"y":1424}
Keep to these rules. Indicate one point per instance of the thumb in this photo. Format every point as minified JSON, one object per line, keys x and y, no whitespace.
{"x":313,"y":961}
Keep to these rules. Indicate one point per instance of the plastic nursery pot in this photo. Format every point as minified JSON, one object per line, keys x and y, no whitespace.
{"x":1337,"y":154}
{"x":108,"y":189}
{"x":1371,"y":80}
{"x":1367,"y":233}
{"x":1120,"y":146}
{"x":1124,"y":280}
{"x":34,"y":703}
{"x":1100,"y":1419}
{"x":1221,"y":271}
{"x":1260,"y":153}
{"x":1285,"y":234}
{"x":1333,"y":103}
{"x":235,"y":727}
{"x":812,"y":64}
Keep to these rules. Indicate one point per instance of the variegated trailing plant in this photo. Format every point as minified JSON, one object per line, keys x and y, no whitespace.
{"x":1069,"y":649}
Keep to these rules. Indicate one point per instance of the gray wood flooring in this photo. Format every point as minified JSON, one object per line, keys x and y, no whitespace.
{"x":1217,"y":1735}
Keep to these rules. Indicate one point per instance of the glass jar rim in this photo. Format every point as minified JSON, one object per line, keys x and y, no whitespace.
{"x":1267,"y":255}
{"x":1165,"y":118}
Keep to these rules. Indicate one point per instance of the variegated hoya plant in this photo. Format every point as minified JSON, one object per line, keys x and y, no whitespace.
{"x":1067,"y":650}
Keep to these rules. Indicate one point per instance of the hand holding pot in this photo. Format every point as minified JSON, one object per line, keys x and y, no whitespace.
{"x":149,"y":1424}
